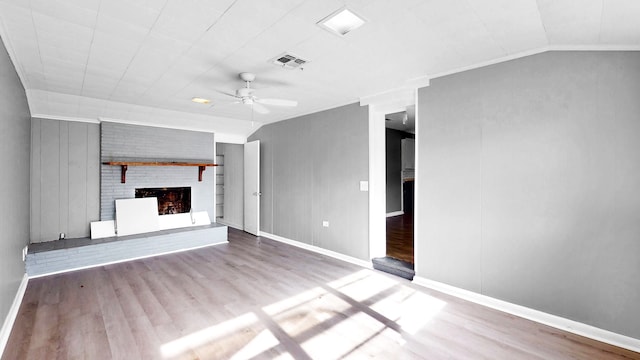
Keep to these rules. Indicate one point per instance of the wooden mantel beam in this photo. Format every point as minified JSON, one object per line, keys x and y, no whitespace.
{"x":124,"y":165}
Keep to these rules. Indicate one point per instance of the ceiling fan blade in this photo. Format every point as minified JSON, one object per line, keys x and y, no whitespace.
{"x":260,"y":109}
{"x":277,"y":102}
{"x":226,"y":93}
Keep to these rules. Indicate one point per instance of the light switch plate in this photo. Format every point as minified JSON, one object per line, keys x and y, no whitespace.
{"x":325,"y":223}
{"x":364,"y":186}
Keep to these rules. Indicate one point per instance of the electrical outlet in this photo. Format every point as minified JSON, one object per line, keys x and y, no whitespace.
{"x":325,"y":223}
{"x":24,"y":253}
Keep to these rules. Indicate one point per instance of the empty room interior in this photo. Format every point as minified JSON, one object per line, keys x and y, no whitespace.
{"x":320,"y":179}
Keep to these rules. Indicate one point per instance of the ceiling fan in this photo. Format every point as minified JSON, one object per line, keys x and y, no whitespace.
{"x":245,"y":95}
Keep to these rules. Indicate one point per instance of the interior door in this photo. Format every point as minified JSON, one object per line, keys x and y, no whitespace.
{"x":252,"y":187}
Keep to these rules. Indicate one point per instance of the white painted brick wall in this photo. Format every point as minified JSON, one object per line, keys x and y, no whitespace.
{"x":123,"y":141}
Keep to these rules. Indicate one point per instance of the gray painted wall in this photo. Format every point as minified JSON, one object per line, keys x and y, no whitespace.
{"x":528,"y":181}
{"x":233,"y":192}
{"x":14,"y":181}
{"x":123,"y":141}
{"x":311,"y":168}
{"x":65,"y":178}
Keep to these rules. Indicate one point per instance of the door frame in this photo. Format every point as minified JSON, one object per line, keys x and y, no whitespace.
{"x":379,"y":106}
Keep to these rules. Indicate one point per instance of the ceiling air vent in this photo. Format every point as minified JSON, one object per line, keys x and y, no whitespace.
{"x":288,"y":61}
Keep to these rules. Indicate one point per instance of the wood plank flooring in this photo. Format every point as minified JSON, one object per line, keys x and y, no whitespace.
{"x":400,"y":237}
{"x":255,"y":298}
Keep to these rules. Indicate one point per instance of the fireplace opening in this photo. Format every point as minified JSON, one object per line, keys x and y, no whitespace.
{"x":173,"y":200}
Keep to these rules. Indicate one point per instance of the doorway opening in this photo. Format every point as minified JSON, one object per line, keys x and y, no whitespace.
{"x":399,"y":192}
{"x":229,"y":185}
{"x":238,"y":186}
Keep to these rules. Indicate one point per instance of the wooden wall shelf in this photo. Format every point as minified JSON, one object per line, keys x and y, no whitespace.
{"x":125,"y":164}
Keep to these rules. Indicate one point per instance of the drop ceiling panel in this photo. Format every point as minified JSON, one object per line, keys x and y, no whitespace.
{"x":571,"y":21}
{"x":112,"y":52}
{"x":17,"y":19}
{"x":116,"y":29}
{"x":139,"y":13}
{"x":514,"y":24}
{"x":385,"y":11}
{"x":166,"y":86}
{"x":98,"y":86}
{"x":66,"y":11}
{"x":56,"y":32}
{"x":281,"y":37}
{"x":159,"y":54}
{"x":186,"y":20}
{"x":62,"y":54}
{"x":128,"y":91}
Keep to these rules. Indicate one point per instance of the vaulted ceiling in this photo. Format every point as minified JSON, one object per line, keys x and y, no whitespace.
{"x":143,"y":61}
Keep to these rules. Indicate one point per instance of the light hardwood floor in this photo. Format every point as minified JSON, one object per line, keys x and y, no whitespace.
{"x":256,"y":298}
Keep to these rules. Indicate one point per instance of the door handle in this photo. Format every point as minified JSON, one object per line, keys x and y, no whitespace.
{"x":257,"y":194}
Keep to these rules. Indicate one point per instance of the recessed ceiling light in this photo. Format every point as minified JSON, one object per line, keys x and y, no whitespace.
{"x":342,"y":21}
{"x":200,"y":100}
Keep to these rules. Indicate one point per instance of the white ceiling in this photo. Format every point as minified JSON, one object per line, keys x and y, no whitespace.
{"x":143,"y":60}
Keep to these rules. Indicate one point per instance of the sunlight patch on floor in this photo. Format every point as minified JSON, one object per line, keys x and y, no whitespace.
{"x":363,"y":312}
{"x":257,"y":346}
{"x":312,"y":318}
{"x":204,"y":336}
{"x":409,"y":308}
{"x":364,"y":285}
{"x":293,"y":301}
{"x":418,"y":310}
{"x":343,"y":337}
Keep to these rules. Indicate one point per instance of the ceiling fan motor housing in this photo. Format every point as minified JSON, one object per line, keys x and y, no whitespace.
{"x":246,"y":76}
{"x":244,"y":92}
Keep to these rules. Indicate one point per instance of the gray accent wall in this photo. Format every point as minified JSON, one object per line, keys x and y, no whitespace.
{"x":146,"y":143}
{"x":65,"y":178}
{"x":529,"y":175}
{"x":311,"y":168}
{"x":15,"y":127}
{"x":233,"y":188}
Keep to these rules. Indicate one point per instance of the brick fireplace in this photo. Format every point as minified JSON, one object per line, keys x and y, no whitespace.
{"x":174,"y":200}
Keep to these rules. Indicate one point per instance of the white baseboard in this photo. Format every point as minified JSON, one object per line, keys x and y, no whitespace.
{"x":557,"y":322}
{"x":395,"y":213}
{"x":319,"y":250}
{"x":13,"y":313}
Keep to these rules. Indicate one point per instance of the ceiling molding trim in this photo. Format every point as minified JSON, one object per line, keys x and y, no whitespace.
{"x":418,"y":82}
{"x":146,"y":123}
{"x":65,"y":118}
{"x":230,"y":138}
{"x":593,"y":48}
{"x":404,"y":95}
{"x":491,"y":62}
